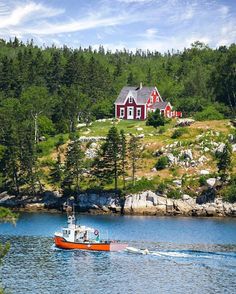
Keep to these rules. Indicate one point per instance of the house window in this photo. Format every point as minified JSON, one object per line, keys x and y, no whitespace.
{"x":151,"y":99}
{"x":138,"y":113}
{"x":122,"y":112}
{"x":131,"y":99}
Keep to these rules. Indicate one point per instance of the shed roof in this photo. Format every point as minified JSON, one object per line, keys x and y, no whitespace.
{"x":141,"y":95}
{"x":159,"y":105}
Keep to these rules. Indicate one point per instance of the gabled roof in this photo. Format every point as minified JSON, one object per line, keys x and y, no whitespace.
{"x":159,"y":105}
{"x":140,"y":95}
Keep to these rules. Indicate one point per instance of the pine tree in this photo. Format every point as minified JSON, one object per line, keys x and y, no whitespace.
{"x":73,"y":163}
{"x":224,"y":161}
{"x":56,"y":173}
{"x":107,"y":165}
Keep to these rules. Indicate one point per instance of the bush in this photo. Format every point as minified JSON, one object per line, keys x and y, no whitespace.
{"x":141,"y":185}
{"x":162,"y":163}
{"x":174,"y":194}
{"x":178,"y":133}
{"x":162,"y":187}
{"x":46,"y":126}
{"x":209,"y":113}
{"x":230,"y":193}
{"x":155,"y":119}
{"x":202,"y":180}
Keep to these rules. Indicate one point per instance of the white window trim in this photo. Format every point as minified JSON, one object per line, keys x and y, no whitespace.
{"x":138,"y":110}
{"x":122,"y":112}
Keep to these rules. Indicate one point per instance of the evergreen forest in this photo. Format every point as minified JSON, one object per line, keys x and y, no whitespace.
{"x":44,"y":92}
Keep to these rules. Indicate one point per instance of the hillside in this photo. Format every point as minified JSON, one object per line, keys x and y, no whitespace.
{"x":191,"y":156}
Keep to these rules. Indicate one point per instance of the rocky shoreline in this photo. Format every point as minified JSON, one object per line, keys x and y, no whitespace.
{"x":143,"y":203}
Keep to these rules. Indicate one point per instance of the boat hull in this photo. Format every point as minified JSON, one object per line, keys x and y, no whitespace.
{"x":60,"y":242}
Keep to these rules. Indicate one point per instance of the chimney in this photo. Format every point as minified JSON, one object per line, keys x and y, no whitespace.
{"x":141,"y":85}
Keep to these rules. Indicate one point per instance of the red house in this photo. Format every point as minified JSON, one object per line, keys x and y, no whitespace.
{"x":135,"y":103}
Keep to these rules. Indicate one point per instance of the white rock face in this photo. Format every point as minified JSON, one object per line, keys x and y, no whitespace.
{"x":204,"y":172}
{"x":186,"y":197}
{"x":172,"y":159}
{"x":139,"y":129}
{"x":220,"y":148}
{"x":211,"y":182}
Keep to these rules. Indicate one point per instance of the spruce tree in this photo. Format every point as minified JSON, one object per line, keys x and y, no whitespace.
{"x":56,"y":174}
{"x":224,"y":161}
{"x":73,"y":163}
{"x":107,"y":166}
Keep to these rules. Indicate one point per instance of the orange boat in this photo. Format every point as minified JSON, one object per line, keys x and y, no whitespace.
{"x":84,"y":238}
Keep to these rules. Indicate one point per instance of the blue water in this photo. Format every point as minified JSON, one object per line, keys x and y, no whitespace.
{"x":188,"y":255}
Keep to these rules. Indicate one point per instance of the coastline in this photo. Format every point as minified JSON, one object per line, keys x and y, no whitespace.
{"x":145,"y":203}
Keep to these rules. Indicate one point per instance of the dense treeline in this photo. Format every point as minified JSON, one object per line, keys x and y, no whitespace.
{"x":43,"y":92}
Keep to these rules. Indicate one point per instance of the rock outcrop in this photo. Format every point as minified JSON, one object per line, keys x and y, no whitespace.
{"x":144,"y":203}
{"x":149,"y":203}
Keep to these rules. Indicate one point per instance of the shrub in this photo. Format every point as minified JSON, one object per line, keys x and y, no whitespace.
{"x":46,"y":126}
{"x":209,"y":113}
{"x":202,"y":180}
{"x":141,"y":185}
{"x":230,"y":193}
{"x":162,"y":187}
{"x":174,"y":194}
{"x":155,"y":119}
{"x":178,"y":133}
{"x":162,"y":163}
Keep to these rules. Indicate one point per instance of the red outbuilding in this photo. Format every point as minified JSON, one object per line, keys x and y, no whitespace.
{"x":136,"y":102}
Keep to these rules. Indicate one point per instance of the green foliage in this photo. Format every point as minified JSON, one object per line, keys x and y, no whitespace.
{"x":141,"y":185}
{"x":7,"y":215}
{"x":107,"y":165}
{"x":162,"y":187}
{"x":179,"y":132}
{"x":44,"y":92}
{"x":229,"y":193}
{"x":73,"y":164}
{"x":209,"y":113}
{"x":155,"y":119}
{"x":46,"y":126}
{"x":174,"y":194}
{"x":202,"y":180}
{"x":162,"y":163}
{"x":224,"y":161}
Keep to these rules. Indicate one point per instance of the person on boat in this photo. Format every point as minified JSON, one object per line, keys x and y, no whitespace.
{"x":97,"y":238}
{"x":85,"y":238}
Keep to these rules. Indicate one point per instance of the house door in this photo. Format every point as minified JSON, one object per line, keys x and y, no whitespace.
{"x":130,"y":113}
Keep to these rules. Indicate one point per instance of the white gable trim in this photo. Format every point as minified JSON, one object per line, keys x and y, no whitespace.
{"x":130,"y":94}
{"x":159,"y":94}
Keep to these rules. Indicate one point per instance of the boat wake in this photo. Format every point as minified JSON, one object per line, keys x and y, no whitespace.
{"x":182,"y":253}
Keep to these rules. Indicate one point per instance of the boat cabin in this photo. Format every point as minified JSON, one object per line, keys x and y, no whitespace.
{"x":80,"y":234}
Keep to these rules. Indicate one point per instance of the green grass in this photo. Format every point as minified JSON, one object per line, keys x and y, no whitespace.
{"x":129,"y":126}
{"x":45,"y":148}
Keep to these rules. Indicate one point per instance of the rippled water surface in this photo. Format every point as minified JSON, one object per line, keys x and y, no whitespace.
{"x":188,"y":255}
